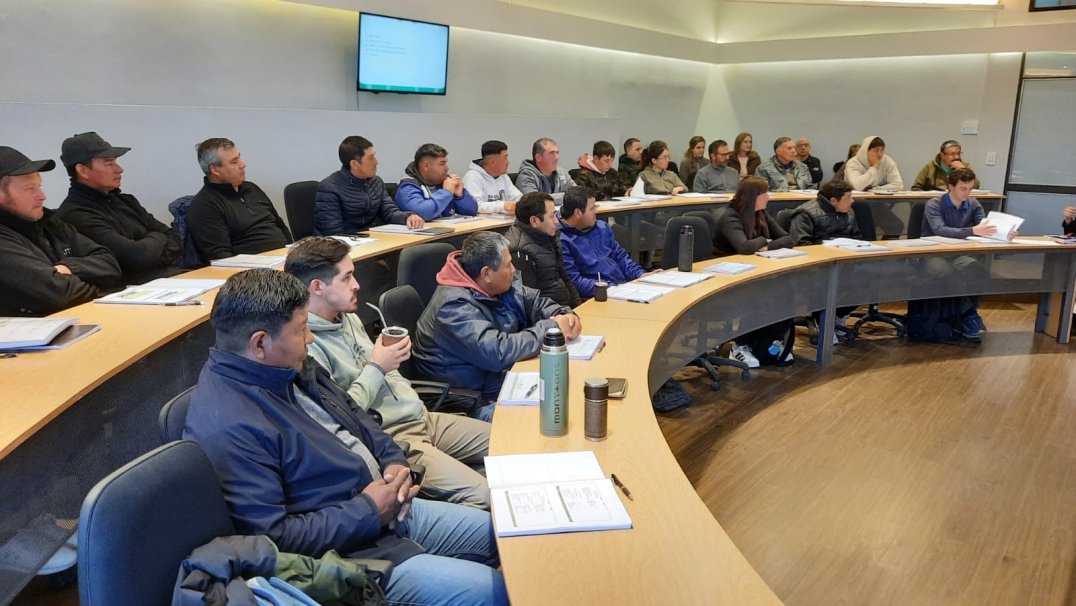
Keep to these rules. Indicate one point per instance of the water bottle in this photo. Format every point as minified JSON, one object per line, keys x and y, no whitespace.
{"x":687,"y":247}
{"x":553,"y":379}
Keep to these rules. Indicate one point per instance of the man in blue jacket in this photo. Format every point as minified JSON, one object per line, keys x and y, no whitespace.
{"x":590,"y":247}
{"x":300,"y":462}
{"x":429,"y":190}
{"x":482,"y":319}
{"x":352,"y":198}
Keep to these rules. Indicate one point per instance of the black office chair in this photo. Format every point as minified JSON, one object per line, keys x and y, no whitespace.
{"x":915,"y":219}
{"x":865,"y":220}
{"x":784,"y":218}
{"x":390,"y":189}
{"x":705,"y":215}
{"x":512,"y":177}
{"x":138,"y":524}
{"x":173,"y":417}
{"x":419,"y":266}
{"x":299,"y":205}
{"x":403,"y":307}
{"x":702,"y":250}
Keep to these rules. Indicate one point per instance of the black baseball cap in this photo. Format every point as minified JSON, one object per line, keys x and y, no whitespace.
{"x":84,"y":147}
{"x":13,"y":162}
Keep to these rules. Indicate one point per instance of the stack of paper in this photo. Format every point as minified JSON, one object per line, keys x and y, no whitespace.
{"x":520,"y":389}
{"x":945,"y":240}
{"x":701,"y":196}
{"x":353,"y":241}
{"x":1005,"y":223}
{"x":730,"y":268}
{"x":913,"y":243}
{"x":552,"y":492}
{"x":843,"y":242}
{"x":18,"y":333}
{"x":149,"y":295}
{"x":419,"y":231}
{"x":781,"y":253}
{"x":679,"y":279}
{"x":250,"y":261}
{"x":865,"y":247}
{"x":620,"y":203}
{"x":454,"y":219}
{"x":584,"y":347}
{"x":638,"y":293}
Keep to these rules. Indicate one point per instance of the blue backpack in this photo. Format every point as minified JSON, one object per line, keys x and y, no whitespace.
{"x":190,"y":258}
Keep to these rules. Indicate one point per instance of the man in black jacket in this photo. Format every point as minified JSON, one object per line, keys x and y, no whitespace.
{"x":828,"y":216}
{"x":534,"y":243}
{"x":48,"y":266}
{"x":230,"y":215}
{"x":352,"y":198}
{"x":95,"y":206}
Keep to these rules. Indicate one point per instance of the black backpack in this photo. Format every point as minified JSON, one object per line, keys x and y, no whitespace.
{"x":934,"y":320}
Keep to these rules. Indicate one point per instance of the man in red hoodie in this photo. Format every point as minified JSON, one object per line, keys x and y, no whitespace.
{"x":482,"y":319}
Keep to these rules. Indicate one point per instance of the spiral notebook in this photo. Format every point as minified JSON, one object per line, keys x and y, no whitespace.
{"x":551,"y":493}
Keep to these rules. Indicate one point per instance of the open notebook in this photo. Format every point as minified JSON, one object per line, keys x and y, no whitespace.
{"x":551,"y":493}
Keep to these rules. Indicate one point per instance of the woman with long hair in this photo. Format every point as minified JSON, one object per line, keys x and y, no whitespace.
{"x":694,"y":159}
{"x":656,"y":176}
{"x":838,"y":168}
{"x":744,"y":159}
{"x":746,"y":228}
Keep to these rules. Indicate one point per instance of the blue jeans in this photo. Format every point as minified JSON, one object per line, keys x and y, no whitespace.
{"x":486,"y":412}
{"x":461,"y":550}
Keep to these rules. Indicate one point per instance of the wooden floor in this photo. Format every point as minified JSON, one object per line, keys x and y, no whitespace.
{"x":905,"y":473}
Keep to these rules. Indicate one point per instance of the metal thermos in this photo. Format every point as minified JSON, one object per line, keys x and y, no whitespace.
{"x":596,"y":412}
{"x":687,"y":247}
{"x":553,"y":375}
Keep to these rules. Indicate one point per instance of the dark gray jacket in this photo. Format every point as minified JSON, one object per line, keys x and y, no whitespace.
{"x":817,"y":221}
{"x":714,"y":180}
{"x":542,"y":252}
{"x":531,"y":179}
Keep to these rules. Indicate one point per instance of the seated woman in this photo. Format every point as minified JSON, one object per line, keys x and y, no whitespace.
{"x":694,"y":159}
{"x":656,"y":176}
{"x":744,"y":160}
{"x":744,"y":229}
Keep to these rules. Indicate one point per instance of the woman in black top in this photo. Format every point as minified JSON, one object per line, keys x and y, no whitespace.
{"x":745,"y":227}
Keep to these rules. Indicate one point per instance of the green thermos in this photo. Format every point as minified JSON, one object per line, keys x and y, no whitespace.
{"x":553,"y":377}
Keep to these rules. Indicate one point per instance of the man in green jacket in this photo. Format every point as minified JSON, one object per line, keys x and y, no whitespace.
{"x":935,"y":175}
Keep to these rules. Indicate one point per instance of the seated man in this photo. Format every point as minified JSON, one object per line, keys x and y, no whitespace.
{"x":145,"y":248}
{"x":230,"y":215}
{"x":482,"y":319}
{"x":487,"y":180}
{"x":300,"y":462}
{"x":717,"y":177}
{"x":828,"y":216}
{"x":352,"y":198}
{"x":48,"y":266}
{"x":803,"y":154}
{"x":782,"y":171}
{"x":541,"y":172}
{"x":870,"y":168}
{"x":596,"y":173}
{"x":444,"y":444}
{"x":955,"y":214}
{"x":590,"y":247}
{"x":533,"y":240}
{"x":631,"y":161}
{"x":429,"y":190}
{"x":935,"y":175}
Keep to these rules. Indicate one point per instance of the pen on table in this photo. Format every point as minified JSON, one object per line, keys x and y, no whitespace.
{"x":637,"y":301}
{"x":530,"y":391}
{"x":183,"y":303}
{"x":622,"y":488}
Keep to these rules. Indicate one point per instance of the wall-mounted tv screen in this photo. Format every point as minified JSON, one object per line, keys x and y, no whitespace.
{"x":402,"y":56}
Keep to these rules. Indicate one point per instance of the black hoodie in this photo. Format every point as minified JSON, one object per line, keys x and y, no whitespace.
{"x":31,"y":250}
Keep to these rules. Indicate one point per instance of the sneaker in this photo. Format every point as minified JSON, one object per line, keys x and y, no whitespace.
{"x":778,"y":345}
{"x":743,"y":353}
{"x":972,"y":325}
{"x":836,"y":339}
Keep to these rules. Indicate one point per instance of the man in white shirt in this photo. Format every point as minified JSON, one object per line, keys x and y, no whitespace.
{"x":487,"y":180}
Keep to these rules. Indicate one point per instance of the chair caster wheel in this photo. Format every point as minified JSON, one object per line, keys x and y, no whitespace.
{"x":745,"y":374}
{"x":715,"y":386}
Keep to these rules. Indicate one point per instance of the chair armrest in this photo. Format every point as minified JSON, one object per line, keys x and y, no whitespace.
{"x":439,"y":395}
{"x":431,"y":393}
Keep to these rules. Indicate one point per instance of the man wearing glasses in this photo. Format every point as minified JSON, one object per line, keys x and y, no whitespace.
{"x":717,"y":176}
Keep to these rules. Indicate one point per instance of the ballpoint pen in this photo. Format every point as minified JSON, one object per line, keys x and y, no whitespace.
{"x":624,"y":489}
{"x":637,"y":301}
{"x":183,"y":303}
{"x":530,"y":391}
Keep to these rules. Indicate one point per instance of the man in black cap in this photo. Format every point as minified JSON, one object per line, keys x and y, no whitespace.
{"x":47,"y":265}
{"x":145,"y":247}
{"x":230,"y":215}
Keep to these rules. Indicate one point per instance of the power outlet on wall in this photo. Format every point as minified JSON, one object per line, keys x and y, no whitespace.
{"x":991,"y":158}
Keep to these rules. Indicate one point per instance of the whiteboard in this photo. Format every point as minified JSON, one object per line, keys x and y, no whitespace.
{"x":1044,"y":151}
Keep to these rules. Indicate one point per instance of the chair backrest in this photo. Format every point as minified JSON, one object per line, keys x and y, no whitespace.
{"x":915,"y":219}
{"x":512,"y":177}
{"x":784,"y":218}
{"x":419,"y":266}
{"x":705,"y":215}
{"x":865,"y":219}
{"x":403,"y":307}
{"x":141,"y":521}
{"x":190,"y":258}
{"x":702,"y":250}
{"x":390,"y":189}
{"x":173,"y":417}
{"x":299,"y":202}
{"x":527,"y":274}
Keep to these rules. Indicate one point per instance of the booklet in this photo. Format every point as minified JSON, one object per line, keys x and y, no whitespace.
{"x":250,"y":261}
{"x":619,"y":203}
{"x":420,"y":231}
{"x":18,"y":333}
{"x":72,"y":334}
{"x":701,"y":195}
{"x":944,"y":240}
{"x":780,"y":253}
{"x":551,"y":493}
{"x":149,"y":295}
{"x":204,"y":283}
{"x":520,"y":389}
{"x":638,"y":293}
{"x":864,"y":247}
{"x":730,"y":268}
{"x":679,"y":279}
{"x":914,"y":242}
{"x":455,"y":219}
{"x":584,"y":347}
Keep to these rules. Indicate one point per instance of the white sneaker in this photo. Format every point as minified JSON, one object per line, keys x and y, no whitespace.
{"x":743,"y":353}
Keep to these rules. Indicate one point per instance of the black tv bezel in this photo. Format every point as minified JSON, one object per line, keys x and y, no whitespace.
{"x":358,"y":57}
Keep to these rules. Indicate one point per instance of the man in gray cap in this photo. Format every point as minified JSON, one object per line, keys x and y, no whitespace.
{"x":48,"y":266}
{"x":145,"y":248}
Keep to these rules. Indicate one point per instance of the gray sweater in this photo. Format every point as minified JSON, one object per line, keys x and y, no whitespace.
{"x":713,"y":180}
